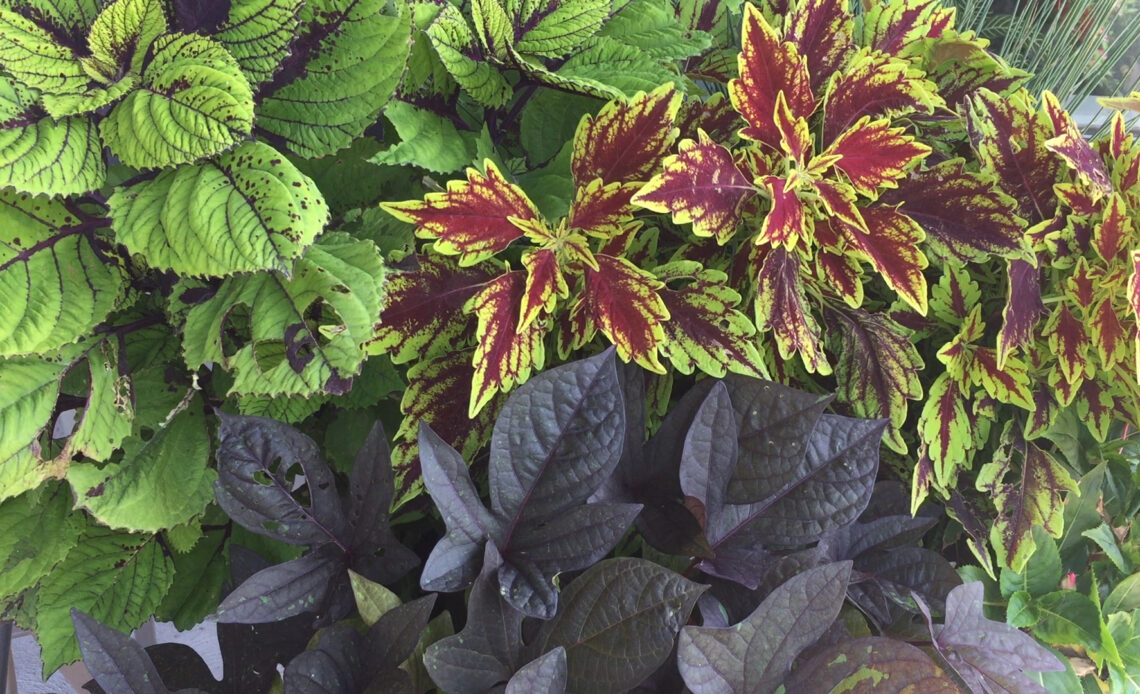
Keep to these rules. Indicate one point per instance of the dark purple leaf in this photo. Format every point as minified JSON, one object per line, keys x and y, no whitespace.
{"x":890,"y":579}
{"x":871,"y":665}
{"x":256,"y":457}
{"x":200,"y":16}
{"x":883,"y":534}
{"x":754,"y":656}
{"x":116,"y":662}
{"x":990,"y":657}
{"x":487,"y":651}
{"x":618,"y":623}
{"x":370,"y":493}
{"x":709,"y":453}
{"x":284,"y":590}
{"x":334,"y":665}
{"x":545,"y":674}
{"x":251,"y":652}
{"x":393,"y":638}
{"x":182,"y":668}
{"x":454,"y":562}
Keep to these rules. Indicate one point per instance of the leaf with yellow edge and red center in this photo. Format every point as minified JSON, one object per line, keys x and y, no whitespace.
{"x":625,"y":303}
{"x":1117,"y":141}
{"x":573,"y":328}
{"x":822,"y":31}
{"x":504,"y":353}
{"x":545,"y":284}
{"x":439,"y":388}
{"x":423,"y":310}
{"x":1113,"y":233}
{"x":1045,"y":409}
{"x":958,"y":352}
{"x":1023,"y":307}
{"x":875,"y":84}
{"x":945,"y":427}
{"x":965,"y":215}
{"x":1074,"y":149}
{"x":835,"y":267}
{"x":795,"y":138}
{"x":787,"y":222}
{"x":1008,"y":383}
{"x":873,"y":155}
{"x":890,"y":244}
{"x":955,"y":294}
{"x":897,"y":27}
{"x":602,"y":209}
{"x":472,"y":219}
{"x":782,"y":306}
{"x":705,"y":330}
{"x":1095,"y":407}
{"x":626,"y":140}
{"x":768,"y":66}
{"x":1009,"y":135}
{"x":960,"y":65}
{"x":1108,"y":334}
{"x":714,"y":115}
{"x":1077,"y":198}
{"x":1026,"y":495}
{"x":877,"y":367}
{"x":1081,"y":285}
{"x":701,"y":185}
{"x":1069,"y":343}
{"x":1134,"y":300}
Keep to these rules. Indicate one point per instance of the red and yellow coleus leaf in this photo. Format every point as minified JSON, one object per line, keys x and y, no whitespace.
{"x":960,"y":65}
{"x":873,"y":155}
{"x":898,"y":27}
{"x":822,"y":31}
{"x":714,"y":115}
{"x":545,"y":284}
{"x":1096,"y":408}
{"x":1023,"y":307}
{"x":701,"y":185}
{"x":1108,"y":334}
{"x":705,"y":330}
{"x":626,"y":140}
{"x":505,"y":354}
{"x":890,"y":244}
{"x":957,"y":353}
{"x":1134,"y":300}
{"x":625,"y":303}
{"x":1008,"y":383}
{"x":601,"y":209}
{"x":768,"y":66}
{"x":955,"y":295}
{"x":1113,"y":233}
{"x":835,"y":266}
{"x":795,"y":137}
{"x":787,"y":222}
{"x":875,"y":84}
{"x":472,"y":219}
{"x":945,"y":427}
{"x":781,"y":306}
{"x":965,"y":215}
{"x":423,"y":311}
{"x":1081,"y":285}
{"x":877,"y":367}
{"x":1069,"y":344}
{"x":1074,"y":149}
{"x":1009,"y":135}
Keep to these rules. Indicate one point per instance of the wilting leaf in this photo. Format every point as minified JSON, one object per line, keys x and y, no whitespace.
{"x":1072,"y":146}
{"x":755,"y":655}
{"x":602,"y":143}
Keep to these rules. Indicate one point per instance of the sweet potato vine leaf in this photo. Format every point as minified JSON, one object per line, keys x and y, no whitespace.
{"x":754,"y":656}
{"x":873,"y":664}
{"x":249,"y":209}
{"x":116,"y":661}
{"x":543,"y":469}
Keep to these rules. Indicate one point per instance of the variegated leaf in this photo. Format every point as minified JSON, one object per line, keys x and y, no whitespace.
{"x":1108,"y":334}
{"x":702,"y":186}
{"x":705,"y":330}
{"x":891,"y":246}
{"x":787,"y":222}
{"x":945,"y":428}
{"x":1069,"y":344}
{"x":625,"y":303}
{"x":873,"y":155}
{"x":1008,"y":383}
{"x":1023,"y":308}
{"x":768,"y":66}
{"x":627,"y":139}
{"x":782,"y":306}
{"x":505,"y":353}
{"x":875,"y":84}
{"x":897,"y":27}
{"x":545,"y":284}
{"x":1096,"y":408}
{"x":472,"y":219}
{"x":602,"y":209}
{"x":1134,"y":301}
{"x":1074,"y":149}
{"x":960,"y":65}
{"x":1112,"y":234}
{"x":955,"y":295}
{"x":822,"y":31}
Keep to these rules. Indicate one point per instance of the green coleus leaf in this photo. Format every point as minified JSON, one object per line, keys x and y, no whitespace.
{"x":193,"y":102}
{"x":160,"y":483}
{"x":654,"y":27}
{"x":608,"y":68}
{"x":306,"y":334}
{"x":705,"y":330}
{"x":31,"y":53}
{"x":554,"y":29}
{"x":54,"y":285}
{"x":1026,"y":495}
{"x":60,"y":106}
{"x":427,"y":140}
{"x":108,"y":415}
{"x":454,"y":43}
{"x":41,"y":531}
{"x":249,"y":209}
{"x":42,"y":155}
{"x":345,"y":64}
{"x":257,"y":33}
{"x":118,"y":578}
{"x":29,"y":388}
{"x":121,"y":37}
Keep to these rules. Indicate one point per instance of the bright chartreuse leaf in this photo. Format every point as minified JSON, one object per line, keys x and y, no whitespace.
{"x":121,"y":37}
{"x":54,"y":285}
{"x":454,"y":42}
{"x":653,"y":27}
{"x":193,"y":102}
{"x":350,"y":58}
{"x":555,"y":29}
{"x":31,"y":53}
{"x":306,"y":334}
{"x":257,"y":34}
{"x":427,"y":140}
{"x":39,"y":532}
{"x":62,"y":105}
{"x":107,"y":417}
{"x":118,"y":578}
{"x":161,"y":482}
{"x":249,"y":209}
{"x":42,"y":155}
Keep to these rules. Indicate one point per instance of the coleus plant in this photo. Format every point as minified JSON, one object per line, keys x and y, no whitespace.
{"x":625,"y":622}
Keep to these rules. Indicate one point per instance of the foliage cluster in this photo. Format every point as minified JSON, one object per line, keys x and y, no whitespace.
{"x":225,"y":248}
